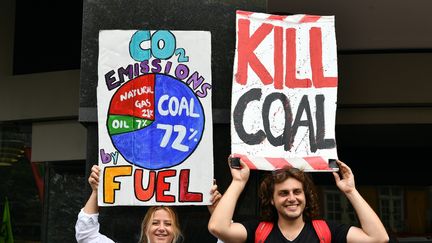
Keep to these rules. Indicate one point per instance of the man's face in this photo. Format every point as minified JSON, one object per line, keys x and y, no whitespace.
{"x":289,"y":199}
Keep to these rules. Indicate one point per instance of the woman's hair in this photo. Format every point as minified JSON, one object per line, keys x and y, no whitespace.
{"x":145,"y":224}
{"x":266,"y":191}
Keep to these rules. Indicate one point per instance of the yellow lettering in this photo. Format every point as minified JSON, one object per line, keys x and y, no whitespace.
{"x":109,"y":183}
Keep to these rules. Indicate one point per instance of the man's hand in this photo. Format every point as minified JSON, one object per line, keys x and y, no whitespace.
{"x":240,"y":174}
{"x":345,"y":182}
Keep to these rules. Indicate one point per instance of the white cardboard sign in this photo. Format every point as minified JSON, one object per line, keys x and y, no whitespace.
{"x":284,"y":91}
{"x":154,"y":117}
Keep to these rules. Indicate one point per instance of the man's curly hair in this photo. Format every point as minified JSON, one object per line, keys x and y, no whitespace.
{"x":266,"y":191}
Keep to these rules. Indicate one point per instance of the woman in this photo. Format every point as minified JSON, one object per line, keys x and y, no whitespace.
{"x":160,"y":224}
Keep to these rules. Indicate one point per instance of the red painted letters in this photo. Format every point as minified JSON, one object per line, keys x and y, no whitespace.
{"x":246,"y":57}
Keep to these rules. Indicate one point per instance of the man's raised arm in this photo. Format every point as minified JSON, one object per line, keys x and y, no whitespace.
{"x":372,"y":230}
{"x":220,"y":223}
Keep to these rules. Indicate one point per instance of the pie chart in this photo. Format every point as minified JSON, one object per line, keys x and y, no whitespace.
{"x":155,"y":121}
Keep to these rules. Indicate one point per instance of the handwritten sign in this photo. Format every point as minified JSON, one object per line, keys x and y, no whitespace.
{"x":154,"y":117}
{"x":284,"y":91}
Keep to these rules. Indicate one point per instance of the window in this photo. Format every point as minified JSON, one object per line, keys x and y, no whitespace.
{"x":391,"y":207}
{"x":338,"y":208}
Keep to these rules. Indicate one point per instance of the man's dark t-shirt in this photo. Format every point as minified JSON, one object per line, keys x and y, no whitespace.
{"x":307,"y":235}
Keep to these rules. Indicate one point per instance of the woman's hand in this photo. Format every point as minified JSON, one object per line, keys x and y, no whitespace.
{"x":215,"y":197}
{"x":94,"y":177}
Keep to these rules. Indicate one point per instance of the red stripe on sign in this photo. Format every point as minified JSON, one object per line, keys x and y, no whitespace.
{"x":318,"y":163}
{"x":276,"y":17}
{"x":278,"y":162}
{"x":246,"y":159}
{"x":245,"y":13}
{"x":310,"y":19}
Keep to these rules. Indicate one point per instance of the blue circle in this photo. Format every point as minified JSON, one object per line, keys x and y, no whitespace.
{"x":172,"y":137}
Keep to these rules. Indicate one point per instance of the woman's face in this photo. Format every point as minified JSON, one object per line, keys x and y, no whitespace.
{"x":160,"y":229}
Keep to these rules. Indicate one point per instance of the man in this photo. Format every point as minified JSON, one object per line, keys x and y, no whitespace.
{"x":289,"y":200}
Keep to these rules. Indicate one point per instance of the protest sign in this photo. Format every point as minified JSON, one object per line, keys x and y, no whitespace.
{"x":284,"y":91}
{"x":154,"y":117}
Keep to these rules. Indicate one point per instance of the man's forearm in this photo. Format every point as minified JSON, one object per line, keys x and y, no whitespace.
{"x":369,"y":220}
{"x":222,"y":216}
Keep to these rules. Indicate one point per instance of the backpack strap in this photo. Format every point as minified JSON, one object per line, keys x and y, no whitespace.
{"x":263,"y":230}
{"x":322,"y":230}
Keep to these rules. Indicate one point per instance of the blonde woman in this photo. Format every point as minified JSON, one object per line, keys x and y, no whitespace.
{"x":160,"y":223}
